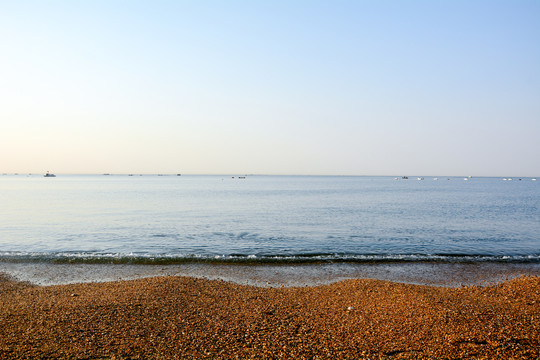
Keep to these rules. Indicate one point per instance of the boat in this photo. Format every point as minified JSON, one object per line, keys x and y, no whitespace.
{"x":48,"y":174}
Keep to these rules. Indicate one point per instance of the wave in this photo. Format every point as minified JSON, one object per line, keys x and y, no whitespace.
{"x":301,"y":258}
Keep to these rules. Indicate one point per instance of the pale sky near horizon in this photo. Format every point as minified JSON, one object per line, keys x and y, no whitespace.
{"x":271,"y":87}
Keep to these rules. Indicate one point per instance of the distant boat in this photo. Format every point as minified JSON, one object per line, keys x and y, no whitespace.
{"x":420,"y":178}
{"x":533,"y":179}
{"x":405,"y":177}
{"x":435,"y":179}
{"x":48,"y":174}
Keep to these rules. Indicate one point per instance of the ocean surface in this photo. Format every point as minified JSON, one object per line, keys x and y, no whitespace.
{"x":329,"y":223}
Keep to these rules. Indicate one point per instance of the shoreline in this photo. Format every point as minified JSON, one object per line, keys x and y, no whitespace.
{"x":417,"y":273}
{"x":183,"y":317}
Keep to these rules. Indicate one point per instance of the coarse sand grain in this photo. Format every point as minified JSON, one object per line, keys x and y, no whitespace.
{"x":189,"y":318}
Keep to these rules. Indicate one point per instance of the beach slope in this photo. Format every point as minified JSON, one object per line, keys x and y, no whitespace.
{"x":181,"y":317}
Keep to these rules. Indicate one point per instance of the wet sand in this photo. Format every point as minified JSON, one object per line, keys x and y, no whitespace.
{"x":267,"y":275}
{"x":184,"y":317}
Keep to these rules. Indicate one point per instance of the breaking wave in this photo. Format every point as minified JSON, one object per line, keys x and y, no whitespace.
{"x":255,"y":259}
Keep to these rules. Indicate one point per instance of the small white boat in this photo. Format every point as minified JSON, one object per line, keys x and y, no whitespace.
{"x":435,"y":179}
{"x":533,"y":179}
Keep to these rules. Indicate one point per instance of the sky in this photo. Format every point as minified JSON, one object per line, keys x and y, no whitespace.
{"x":271,"y":87}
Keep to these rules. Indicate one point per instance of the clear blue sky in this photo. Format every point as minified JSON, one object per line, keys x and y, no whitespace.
{"x":272,"y":87}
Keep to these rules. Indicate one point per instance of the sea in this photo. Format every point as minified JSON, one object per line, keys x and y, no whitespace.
{"x":269,"y":230}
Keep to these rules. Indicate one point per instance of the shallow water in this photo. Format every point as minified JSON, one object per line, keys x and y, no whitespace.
{"x":436,"y":274}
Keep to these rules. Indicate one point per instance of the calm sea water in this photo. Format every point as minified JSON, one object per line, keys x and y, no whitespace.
{"x":267,"y":219}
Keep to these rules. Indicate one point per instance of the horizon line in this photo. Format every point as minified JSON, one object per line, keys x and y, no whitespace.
{"x":256,"y":174}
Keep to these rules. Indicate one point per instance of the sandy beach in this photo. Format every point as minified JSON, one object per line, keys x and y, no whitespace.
{"x":183,"y":317}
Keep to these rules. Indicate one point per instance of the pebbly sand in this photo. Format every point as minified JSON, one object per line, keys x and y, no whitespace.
{"x":182,"y":317}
